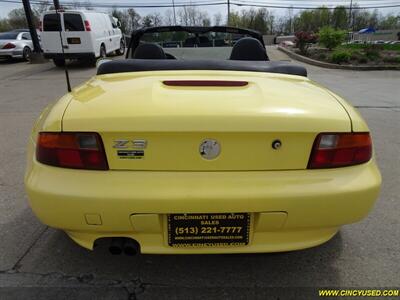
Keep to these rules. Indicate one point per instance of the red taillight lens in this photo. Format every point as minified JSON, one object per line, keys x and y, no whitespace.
{"x":9,"y":46}
{"x":71,"y":150}
{"x":225,"y":83}
{"x":87,"y":26}
{"x":334,"y":150}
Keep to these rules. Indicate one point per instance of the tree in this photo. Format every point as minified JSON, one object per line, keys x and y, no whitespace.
{"x":133,"y":20}
{"x":123,"y":19}
{"x":192,"y":16}
{"x":169,"y":17}
{"x":340,"y":18}
{"x":217,"y":19}
{"x":313,"y":19}
{"x":150,"y":20}
{"x":4,"y":25}
{"x":261,"y":20}
{"x":17,"y":19}
{"x":389,"y":22}
{"x":330,"y":37}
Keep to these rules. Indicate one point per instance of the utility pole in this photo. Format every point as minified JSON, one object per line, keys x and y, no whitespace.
{"x":291,"y":19}
{"x":32,"y":29}
{"x":229,"y":12}
{"x":173,"y":6}
{"x":56,"y":4}
{"x":351,"y":15}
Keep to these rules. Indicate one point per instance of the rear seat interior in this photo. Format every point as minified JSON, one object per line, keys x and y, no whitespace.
{"x":245,"y":49}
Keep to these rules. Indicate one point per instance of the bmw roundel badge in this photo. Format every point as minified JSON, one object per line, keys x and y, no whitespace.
{"x":209,"y":149}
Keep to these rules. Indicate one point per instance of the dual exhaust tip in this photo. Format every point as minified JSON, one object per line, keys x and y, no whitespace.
{"x":129,"y":246}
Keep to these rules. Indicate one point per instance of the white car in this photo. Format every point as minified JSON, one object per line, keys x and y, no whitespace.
{"x":86,"y":35}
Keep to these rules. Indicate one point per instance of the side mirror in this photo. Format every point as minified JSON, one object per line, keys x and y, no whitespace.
{"x":119,"y":24}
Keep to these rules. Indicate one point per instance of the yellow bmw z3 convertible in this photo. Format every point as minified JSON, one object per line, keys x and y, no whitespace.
{"x":197,"y":143}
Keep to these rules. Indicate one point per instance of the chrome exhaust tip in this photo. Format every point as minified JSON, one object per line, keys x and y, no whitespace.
{"x":116,"y":246}
{"x":131,"y":247}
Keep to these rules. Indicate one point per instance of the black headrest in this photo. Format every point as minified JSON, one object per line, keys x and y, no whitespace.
{"x":149,"y":51}
{"x":248,"y":49}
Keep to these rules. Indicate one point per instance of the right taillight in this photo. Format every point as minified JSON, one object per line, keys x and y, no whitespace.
{"x":334,"y":150}
{"x":87,"y":26}
{"x":75,"y":150}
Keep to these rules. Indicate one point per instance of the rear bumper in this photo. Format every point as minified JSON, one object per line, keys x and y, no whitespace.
{"x":315,"y":203}
{"x":87,"y":55}
{"x":10,"y":53}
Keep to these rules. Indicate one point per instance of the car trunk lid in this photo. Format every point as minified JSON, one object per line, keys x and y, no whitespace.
{"x":146,"y":124}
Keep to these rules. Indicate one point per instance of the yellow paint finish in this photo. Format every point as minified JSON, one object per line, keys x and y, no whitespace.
{"x":317,"y":201}
{"x":133,"y":202}
{"x":239,"y":151}
{"x":93,"y":219}
{"x":140,"y":102}
{"x":149,"y":223}
{"x":270,"y":221}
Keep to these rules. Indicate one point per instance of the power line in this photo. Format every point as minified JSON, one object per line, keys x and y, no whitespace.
{"x":239,"y":3}
{"x":245,"y":3}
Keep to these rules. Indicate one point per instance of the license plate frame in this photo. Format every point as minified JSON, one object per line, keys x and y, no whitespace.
{"x":74,"y":40}
{"x":208,"y":230}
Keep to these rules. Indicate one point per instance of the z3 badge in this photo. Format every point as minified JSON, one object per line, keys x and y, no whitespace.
{"x":130,"y":154}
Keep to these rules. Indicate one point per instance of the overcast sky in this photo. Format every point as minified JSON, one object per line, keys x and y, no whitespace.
{"x":5,"y":8}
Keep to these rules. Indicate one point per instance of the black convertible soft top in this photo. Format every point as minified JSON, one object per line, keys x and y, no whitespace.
{"x":138,"y":65}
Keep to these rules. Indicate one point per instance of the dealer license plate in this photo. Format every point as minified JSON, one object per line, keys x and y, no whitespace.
{"x":208,"y":230}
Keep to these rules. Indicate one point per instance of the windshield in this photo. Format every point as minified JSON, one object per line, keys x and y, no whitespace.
{"x":8,"y":35}
{"x":185,"y":45}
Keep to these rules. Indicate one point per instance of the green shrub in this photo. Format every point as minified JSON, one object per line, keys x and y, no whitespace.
{"x":340,"y":56}
{"x":373,"y":52}
{"x":386,"y":47}
{"x":355,"y":55}
{"x":322,"y":56}
{"x":392,"y":59}
{"x":330,"y":37}
{"x":362,"y":60}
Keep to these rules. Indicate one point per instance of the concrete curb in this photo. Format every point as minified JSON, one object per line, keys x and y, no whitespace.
{"x":318,"y":63}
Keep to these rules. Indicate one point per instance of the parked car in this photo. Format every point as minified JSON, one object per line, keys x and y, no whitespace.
{"x":85,"y":35}
{"x":16,"y":44}
{"x":287,"y":44}
{"x":163,"y":154}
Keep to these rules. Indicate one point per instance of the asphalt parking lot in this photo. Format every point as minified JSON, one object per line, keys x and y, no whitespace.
{"x":37,"y":261}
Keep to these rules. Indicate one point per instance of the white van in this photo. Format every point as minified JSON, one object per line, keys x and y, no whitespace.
{"x":85,"y":35}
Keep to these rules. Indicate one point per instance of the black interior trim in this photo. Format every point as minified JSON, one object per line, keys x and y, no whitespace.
{"x":142,"y":65}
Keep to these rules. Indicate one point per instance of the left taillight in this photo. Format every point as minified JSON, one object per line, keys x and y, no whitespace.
{"x":71,"y":150}
{"x":9,"y":46}
{"x":334,"y":150}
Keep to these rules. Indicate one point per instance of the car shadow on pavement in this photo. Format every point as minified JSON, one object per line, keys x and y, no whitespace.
{"x":306,"y":268}
{"x":9,"y":61}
